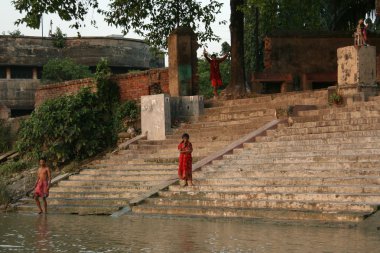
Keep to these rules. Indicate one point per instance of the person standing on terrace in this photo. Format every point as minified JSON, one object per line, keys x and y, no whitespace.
{"x":215,"y":77}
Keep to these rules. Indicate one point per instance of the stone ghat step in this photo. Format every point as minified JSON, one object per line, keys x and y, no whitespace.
{"x":250,"y":154}
{"x":337,"y":189}
{"x":308,"y":148}
{"x":370,"y":198}
{"x":116,"y":202}
{"x":128,"y":172}
{"x":270,"y":181}
{"x":147,"y":159}
{"x":157,"y":176}
{"x":175,"y":142}
{"x":170,"y":148}
{"x":143,"y":166}
{"x":321,"y":130}
{"x":333,"y":110}
{"x":100,"y":188}
{"x":289,"y":98}
{"x":260,"y":108}
{"x":288,"y":173}
{"x":320,"y":123}
{"x":236,"y":116}
{"x":200,"y":128}
{"x":170,"y":145}
{"x":217,"y":123}
{"x":272,"y":214}
{"x":264,"y":204}
{"x":109,"y":183}
{"x":321,"y":136}
{"x":70,"y":209}
{"x":341,"y":142}
{"x":309,"y":159}
{"x":95,"y":195}
{"x":221,"y":132}
{"x":208,"y":138}
{"x":294,"y":166}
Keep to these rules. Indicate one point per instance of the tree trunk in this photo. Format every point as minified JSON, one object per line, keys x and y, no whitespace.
{"x":236,"y":88}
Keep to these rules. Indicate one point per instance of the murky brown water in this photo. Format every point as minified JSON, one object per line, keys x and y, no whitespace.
{"x":60,"y":233}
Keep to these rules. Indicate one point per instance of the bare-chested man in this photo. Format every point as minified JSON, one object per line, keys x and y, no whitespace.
{"x":41,"y":188}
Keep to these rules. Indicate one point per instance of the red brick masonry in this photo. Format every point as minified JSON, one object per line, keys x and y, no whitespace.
{"x":132,"y":85}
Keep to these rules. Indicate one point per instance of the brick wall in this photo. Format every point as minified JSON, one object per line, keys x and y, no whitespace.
{"x":132,"y":85}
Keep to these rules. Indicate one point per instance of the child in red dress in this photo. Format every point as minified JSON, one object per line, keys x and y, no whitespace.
{"x":215,"y":77}
{"x":185,"y":161}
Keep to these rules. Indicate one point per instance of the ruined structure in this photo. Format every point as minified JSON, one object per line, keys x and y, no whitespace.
{"x":22,"y":59}
{"x":294,"y":61}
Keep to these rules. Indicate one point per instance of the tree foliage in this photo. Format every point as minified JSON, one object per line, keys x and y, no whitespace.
{"x":59,"y":70}
{"x":152,"y":19}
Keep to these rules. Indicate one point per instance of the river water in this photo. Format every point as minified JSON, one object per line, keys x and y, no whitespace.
{"x":70,"y":233}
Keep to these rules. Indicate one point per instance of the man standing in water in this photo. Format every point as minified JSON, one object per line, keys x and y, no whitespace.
{"x":41,"y":188}
{"x":215,"y":77}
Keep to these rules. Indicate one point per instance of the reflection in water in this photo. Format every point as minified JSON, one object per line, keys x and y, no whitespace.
{"x":85,"y":234}
{"x":42,"y":240}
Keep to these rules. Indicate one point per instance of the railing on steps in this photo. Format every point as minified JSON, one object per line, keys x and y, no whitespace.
{"x":197,"y":166}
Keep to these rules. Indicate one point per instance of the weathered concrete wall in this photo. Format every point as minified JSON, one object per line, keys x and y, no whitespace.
{"x":18,"y":93}
{"x":303,"y":53}
{"x":132,"y":85}
{"x":186,"y":108}
{"x":35,"y":51}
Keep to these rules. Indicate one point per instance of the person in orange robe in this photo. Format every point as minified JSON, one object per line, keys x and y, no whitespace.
{"x":42,"y":185}
{"x":185,"y":161}
{"x":215,"y":77}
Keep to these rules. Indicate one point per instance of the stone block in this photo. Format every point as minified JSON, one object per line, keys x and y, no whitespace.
{"x":356,"y":66}
{"x":155,"y":116}
{"x":187,"y":108}
{"x":5,"y":112}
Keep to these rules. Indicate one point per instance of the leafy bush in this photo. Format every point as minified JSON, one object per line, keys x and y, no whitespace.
{"x":126,"y":113}
{"x":59,"y":70}
{"x":73,"y":127}
{"x":12,"y":167}
{"x":67,"y":128}
{"x":5,"y":136}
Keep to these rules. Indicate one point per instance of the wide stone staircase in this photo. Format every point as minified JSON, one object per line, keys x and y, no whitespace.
{"x":325,"y":167}
{"x":110,"y":183}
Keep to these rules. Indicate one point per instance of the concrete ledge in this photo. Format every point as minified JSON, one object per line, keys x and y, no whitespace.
{"x":126,"y":144}
{"x":197,"y":166}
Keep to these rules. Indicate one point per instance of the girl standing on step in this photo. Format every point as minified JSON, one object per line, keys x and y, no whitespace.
{"x":185,"y":161}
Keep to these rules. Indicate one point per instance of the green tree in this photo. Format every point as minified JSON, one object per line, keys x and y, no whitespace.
{"x":59,"y":70}
{"x":152,"y":19}
{"x":5,"y":136}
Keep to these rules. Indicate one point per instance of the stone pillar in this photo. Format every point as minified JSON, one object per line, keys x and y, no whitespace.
{"x":35,"y":74}
{"x":8,"y":73}
{"x":357,"y":72}
{"x":5,"y":112}
{"x":182,"y":45}
{"x":155,"y":116}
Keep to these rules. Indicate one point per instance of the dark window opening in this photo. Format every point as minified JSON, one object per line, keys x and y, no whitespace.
{"x":21,"y":72}
{"x":3,"y":72}
{"x":272,"y":87}
{"x":18,"y":113}
{"x":39,"y":73}
{"x":322,"y":85}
